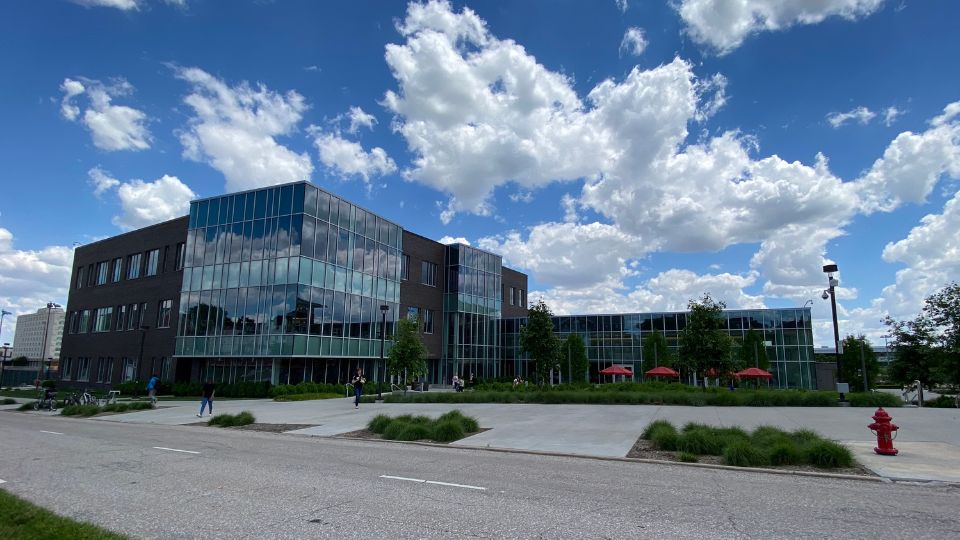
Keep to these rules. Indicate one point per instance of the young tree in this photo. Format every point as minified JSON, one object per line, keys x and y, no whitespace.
{"x":851,"y":363}
{"x":753,"y":352}
{"x":408,"y":354}
{"x":574,"y":362}
{"x":656,"y":352}
{"x":914,"y":344}
{"x":537,"y":340}
{"x":703,"y":342}
{"x":943,"y":309}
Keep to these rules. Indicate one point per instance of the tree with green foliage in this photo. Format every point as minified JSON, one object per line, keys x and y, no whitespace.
{"x":408,"y":355}
{"x":752,"y":352}
{"x":656,"y":352}
{"x":538,"y":341}
{"x":574,"y":362}
{"x":943,"y":310}
{"x":704,"y":343}
{"x":851,"y":363}
{"x":914,"y":344}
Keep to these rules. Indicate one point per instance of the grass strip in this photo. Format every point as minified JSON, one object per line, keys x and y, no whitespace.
{"x":449,"y":427}
{"x":230,"y":420}
{"x":306,"y":397}
{"x":766,"y":445}
{"x":24,"y":520}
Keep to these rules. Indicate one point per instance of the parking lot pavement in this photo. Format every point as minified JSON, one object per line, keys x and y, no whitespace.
{"x":930,"y":437}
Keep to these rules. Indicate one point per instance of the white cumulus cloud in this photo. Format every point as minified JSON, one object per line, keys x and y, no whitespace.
{"x":723,"y":25}
{"x":890,"y":115}
{"x":454,"y":240}
{"x":360,"y":118}
{"x":101,"y":181}
{"x":113,"y":127}
{"x":235,"y":129}
{"x":30,"y":278}
{"x":634,"y":42}
{"x":348,"y":158}
{"x":861,"y":114}
{"x":146,"y":203}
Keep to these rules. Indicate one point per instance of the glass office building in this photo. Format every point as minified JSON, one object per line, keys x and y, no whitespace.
{"x":617,"y":340}
{"x":471,"y":311}
{"x":285,"y":284}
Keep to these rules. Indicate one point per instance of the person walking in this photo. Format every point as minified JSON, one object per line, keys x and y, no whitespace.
{"x":208,"y":390}
{"x":152,"y":388}
{"x":358,"y":381}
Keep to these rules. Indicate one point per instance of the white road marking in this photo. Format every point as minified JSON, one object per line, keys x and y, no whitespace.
{"x":3,"y":481}
{"x":176,"y":450}
{"x":434,"y":482}
{"x":51,"y":432}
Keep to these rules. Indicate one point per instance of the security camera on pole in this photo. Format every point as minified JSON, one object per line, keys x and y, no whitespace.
{"x":830,"y":269}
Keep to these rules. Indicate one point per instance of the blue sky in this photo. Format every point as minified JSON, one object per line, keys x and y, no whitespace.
{"x":628,"y":155}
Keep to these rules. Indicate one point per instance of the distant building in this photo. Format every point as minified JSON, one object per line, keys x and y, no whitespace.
{"x":28,"y":340}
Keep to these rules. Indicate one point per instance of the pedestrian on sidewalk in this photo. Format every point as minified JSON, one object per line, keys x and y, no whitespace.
{"x":152,"y":388}
{"x":358,"y":381}
{"x":208,"y":390}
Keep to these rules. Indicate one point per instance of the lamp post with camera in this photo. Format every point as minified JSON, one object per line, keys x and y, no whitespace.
{"x":3,"y":360}
{"x":43,"y":349}
{"x":830,"y":293}
{"x":383,"y":337}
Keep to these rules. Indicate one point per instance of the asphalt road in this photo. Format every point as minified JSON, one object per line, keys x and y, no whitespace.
{"x":257,"y":485}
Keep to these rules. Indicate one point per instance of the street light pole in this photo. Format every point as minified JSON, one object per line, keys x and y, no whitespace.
{"x":6,"y":347}
{"x":43,"y":348}
{"x":829,"y":269}
{"x":143,"y":336}
{"x":383,"y":338}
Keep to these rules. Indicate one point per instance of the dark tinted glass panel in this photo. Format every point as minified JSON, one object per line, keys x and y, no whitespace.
{"x":296,"y":226}
{"x":193,"y":216}
{"x":260,"y":205}
{"x":323,"y":205}
{"x":307,"y":238}
{"x":248,"y":206}
{"x":321,"y":241}
{"x":202,"y":210}
{"x":286,"y":200}
{"x":238,"y":204}
{"x":344,"y":214}
{"x":342,"y":246}
{"x":310,"y":201}
{"x":298,"y":196}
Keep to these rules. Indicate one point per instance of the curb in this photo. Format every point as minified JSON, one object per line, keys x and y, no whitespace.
{"x":762,"y":470}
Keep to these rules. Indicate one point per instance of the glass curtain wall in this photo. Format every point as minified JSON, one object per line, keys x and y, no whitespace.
{"x":285,"y":284}
{"x":618,"y":340}
{"x":471,"y":313}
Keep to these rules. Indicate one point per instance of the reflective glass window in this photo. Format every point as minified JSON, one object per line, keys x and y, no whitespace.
{"x":260,"y":205}
{"x":286,"y":200}
{"x":307,"y":241}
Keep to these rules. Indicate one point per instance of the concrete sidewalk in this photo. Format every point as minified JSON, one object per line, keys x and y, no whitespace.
{"x":929,"y":439}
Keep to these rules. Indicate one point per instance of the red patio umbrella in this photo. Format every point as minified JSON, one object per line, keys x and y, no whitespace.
{"x":662,"y":371}
{"x":616,"y":370}
{"x":754,"y":373}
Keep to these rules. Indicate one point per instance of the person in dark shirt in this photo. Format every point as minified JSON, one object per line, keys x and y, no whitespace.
{"x":208,"y":390}
{"x":358,"y":381}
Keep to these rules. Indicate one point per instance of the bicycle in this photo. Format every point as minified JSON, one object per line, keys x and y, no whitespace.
{"x":46,"y":400}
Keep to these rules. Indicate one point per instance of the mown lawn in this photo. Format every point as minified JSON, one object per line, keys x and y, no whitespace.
{"x":23,"y":520}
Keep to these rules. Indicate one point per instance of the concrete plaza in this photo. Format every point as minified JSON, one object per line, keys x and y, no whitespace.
{"x":929,"y":439}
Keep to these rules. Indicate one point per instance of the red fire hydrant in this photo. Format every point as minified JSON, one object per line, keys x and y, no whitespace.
{"x":885,"y":432}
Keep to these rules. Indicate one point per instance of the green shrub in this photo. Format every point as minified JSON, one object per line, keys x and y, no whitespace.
{"x":379,"y":424}
{"x":943,"y":402}
{"x":701,"y":441}
{"x":653,"y":426}
{"x":414,"y":432}
{"x":229,"y":420}
{"x":743,"y":454}
{"x":421,"y":420}
{"x":784,"y":452}
{"x":828,"y":455}
{"x":393,"y":430}
{"x":805,"y":436}
{"x":80,"y":410}
{"x":874,"y":399}
{"x":306,"y":397}
{"x":665,"y":438}
{"x":447,"y":431}
{"x":26,"y":406}
{"x":687,"y":457}
{"x":469,"y":424}
{"x":8,"y":401}
{"x":731,"y":434}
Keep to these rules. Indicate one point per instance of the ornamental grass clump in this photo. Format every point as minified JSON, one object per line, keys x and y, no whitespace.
{"x":447,"y":431}
{"x":665,"y":437}
{"x":414,"y":432}
{"x":230,"y":420}
{"x":744,"y":454}
{"x":828,"y":455}
{"x":379,"y":423}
